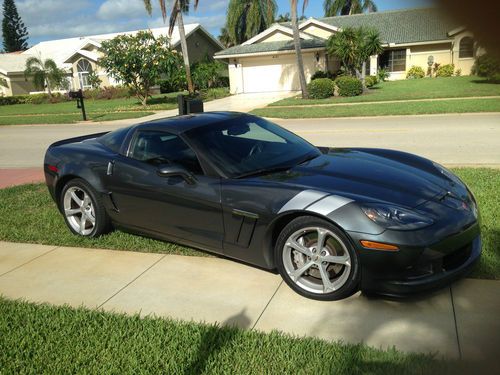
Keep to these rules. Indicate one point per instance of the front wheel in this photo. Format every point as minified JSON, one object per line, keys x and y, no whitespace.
{"x":83,"y":211}
{"x":316,"y":259}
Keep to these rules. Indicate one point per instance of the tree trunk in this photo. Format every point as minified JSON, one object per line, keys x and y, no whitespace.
{"x":298,"y":52}
{"x":48,"y":86}
{"x":363,"y":76}
{"x":184,"y":48}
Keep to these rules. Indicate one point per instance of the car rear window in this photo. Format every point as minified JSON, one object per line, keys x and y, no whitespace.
{"x":114,"y":140}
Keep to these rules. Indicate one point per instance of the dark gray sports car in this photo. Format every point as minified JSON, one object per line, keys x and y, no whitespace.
{"x":330,"y":220}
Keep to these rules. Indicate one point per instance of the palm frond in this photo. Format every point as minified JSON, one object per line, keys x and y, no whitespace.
{"x":147,"y":5}
{"x":163,"y":8}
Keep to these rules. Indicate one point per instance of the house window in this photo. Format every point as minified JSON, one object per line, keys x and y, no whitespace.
{"x":466,"y":47}
{"x":393,"y":60}
{"x":84,"y":68}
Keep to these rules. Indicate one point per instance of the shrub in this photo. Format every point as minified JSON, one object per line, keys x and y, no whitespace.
{"x":487,"y":66}
{"x":106,"y":93}
{"x":215,"y":93}
{"x":458,"y":72}
{"x":445,"y":70}
{"x":415,"y":72}
{"x":40,"y":98}
{"x":348,"y":86}
{"x":207,"y":73}
{"x":320,"y":88}
{"x":371,"y":81}
{"x":322,"y":74}
{"x":382,"y":74}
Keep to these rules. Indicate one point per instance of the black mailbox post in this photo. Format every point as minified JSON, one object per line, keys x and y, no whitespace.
{"x":78,"y":95}
{"x":189,"y":105}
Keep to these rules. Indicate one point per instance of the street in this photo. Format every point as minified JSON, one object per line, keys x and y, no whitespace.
{"x":469,"y":139}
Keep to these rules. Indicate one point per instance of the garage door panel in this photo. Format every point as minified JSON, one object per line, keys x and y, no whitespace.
{"x":266,"y":75}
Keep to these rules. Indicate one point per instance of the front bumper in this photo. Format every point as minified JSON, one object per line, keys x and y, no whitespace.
{"x":414,"y":270}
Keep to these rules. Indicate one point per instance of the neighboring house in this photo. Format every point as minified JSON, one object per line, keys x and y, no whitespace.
{"x":79,"y":56}
{"x":267,"y":62}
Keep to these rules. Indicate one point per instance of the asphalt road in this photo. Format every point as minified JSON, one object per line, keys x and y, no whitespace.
{"x":467,"y":139}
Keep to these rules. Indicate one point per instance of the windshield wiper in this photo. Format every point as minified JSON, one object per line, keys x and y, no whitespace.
{"x":265,"y":171}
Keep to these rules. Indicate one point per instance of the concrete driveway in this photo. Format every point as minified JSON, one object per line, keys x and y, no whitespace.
{"x":448,"y":139}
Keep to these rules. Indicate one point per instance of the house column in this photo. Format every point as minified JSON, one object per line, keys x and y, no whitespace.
{"x":373,"y":65}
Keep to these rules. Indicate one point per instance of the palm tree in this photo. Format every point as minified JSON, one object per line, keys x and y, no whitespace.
{"x":225,"y":39}
{"x":347,"y":7}
{"x":45,"y":73}
{"x":247,"y":18}
{"x":296,"y":42}
{"x":353,"y":47}
{"x":178,"y":7}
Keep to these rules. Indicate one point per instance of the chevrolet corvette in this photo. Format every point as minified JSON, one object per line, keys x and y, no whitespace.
{"x":331,"y":221}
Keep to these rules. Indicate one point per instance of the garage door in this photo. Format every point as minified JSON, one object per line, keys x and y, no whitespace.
{"x":270,"y":74}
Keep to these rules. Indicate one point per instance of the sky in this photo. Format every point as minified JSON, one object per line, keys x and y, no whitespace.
{"x":56,"y":19}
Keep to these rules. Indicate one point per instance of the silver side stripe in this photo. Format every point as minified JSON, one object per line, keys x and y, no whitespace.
{"x":328,"y":204}
{"x":302,"y":200}
{"x":315,"y":201}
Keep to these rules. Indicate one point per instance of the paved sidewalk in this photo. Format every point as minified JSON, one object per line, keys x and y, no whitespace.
{"x":458,"y":322}
{"x":19,"y":176}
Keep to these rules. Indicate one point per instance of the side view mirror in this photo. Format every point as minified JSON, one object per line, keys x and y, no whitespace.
{"x":174,"y":170}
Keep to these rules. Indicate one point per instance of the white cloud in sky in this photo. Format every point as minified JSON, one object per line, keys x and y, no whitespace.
{"x":55,"y":19}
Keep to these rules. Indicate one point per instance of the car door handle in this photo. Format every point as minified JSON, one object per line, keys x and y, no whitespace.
{"x":111,"y":167}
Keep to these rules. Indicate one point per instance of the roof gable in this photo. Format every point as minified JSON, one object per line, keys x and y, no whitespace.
{"x":271,"y":31}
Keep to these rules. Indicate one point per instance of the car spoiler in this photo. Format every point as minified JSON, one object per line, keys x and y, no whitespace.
{"x":77,"y":139}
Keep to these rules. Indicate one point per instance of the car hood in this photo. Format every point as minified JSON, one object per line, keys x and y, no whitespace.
{"x":370,"y":175}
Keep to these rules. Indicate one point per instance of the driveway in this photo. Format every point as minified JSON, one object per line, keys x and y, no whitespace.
{"x":448,"y":139}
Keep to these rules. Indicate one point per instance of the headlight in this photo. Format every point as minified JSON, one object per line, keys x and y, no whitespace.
{"x":396,"y":218}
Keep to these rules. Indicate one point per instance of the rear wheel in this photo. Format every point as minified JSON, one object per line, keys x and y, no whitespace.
{"x":83,"y":211}
{"x":316,"y":259}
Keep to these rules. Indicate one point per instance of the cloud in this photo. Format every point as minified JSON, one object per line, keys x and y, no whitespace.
{"x":34,"y":12}
{"x":115,"y":9}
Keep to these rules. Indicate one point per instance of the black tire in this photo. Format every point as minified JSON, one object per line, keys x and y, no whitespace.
{"x":351,"y":283}
{"x":102,"y":223}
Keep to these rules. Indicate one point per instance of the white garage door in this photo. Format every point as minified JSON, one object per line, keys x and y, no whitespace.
{"x":270,"y":74}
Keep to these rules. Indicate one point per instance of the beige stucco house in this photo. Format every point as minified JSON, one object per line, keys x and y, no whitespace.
{"x":410,"y":37}
{"x":79,"y":56}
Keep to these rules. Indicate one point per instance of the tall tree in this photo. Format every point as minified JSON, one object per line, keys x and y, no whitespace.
{"x":347,"y":7}
{"x":45,"y":74}
{"x":15,"y":34}
{"x":247,"y":18}
{"x":297,"y":43}
{"x":225,"y":39}
{"x":178,"y":8}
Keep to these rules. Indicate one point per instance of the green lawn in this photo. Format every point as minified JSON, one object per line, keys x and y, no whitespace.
{"x":383,"y":109}
{"x":40,"y":339}
{"x":27,"y":214}
{"x":97,"y":110}
{"x":425,"y":88}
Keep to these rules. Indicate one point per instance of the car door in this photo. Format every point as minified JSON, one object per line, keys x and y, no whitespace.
{"x":189,"y":211}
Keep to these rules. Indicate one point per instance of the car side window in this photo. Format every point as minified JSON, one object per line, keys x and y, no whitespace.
{"x":156,"y":147}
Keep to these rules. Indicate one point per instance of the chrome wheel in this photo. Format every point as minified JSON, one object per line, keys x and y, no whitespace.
{"x":316,"y":260}
{"x":79,"y":210}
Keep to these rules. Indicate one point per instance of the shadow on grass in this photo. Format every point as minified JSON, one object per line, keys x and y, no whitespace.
{"x":490,"y":81}
{"x":214,"y":340}
{"x":162,"y":100}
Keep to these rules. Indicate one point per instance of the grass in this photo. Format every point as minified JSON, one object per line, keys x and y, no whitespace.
{"x":40,"y":339}
{"x":97,"y":110}
{"x":426,"y":88}
{"x":27,"y":214}
{"x":70,"y":118}
{"x":383,"y":109}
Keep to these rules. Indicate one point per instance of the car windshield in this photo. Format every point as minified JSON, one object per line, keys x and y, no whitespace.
{"x":249,"y":145}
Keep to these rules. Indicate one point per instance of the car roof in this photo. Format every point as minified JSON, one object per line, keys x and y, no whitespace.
{"x":181,"y":124}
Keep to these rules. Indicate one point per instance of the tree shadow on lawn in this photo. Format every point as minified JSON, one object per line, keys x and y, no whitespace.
{"x":490,"y":81}
{"x":162,"y":100}
{"x":215,"y":339}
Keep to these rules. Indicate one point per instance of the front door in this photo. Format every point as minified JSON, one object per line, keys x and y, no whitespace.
{"x":170,"y":206}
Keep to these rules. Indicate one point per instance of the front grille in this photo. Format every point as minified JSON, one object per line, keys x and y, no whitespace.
{"x":457,"y":258}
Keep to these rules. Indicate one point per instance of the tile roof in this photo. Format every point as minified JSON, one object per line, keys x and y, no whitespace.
{"x":397,"y":26}
{"x":286,"y":45}
{"x":401,"y":26}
